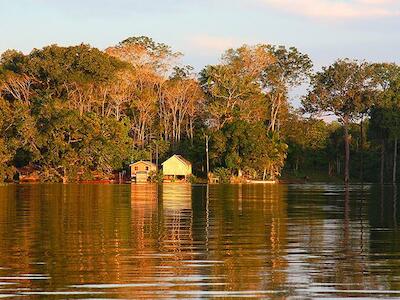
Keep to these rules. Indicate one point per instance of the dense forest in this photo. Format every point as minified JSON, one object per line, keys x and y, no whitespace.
{"x":72,"y":113}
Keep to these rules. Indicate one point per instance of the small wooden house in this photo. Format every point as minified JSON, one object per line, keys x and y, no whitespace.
{"x":141,"y":170}
{"x":176,"y":167}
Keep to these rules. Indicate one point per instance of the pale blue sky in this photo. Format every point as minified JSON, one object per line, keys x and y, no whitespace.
{"x":202,"y":29}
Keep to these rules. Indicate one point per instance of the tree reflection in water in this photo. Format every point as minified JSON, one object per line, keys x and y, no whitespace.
{"x":178,"y":240}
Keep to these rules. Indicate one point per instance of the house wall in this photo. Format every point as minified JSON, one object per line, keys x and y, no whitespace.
{"x":174,"y":166}
{"x":141,"y":177}
{"x":141,"y":166}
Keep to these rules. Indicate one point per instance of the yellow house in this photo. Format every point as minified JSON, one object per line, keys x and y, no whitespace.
{"x":176,"y":167}
{"x":140,"y":170}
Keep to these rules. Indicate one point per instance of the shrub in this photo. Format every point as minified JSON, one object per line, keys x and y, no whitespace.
{"x":156,"y":176}
{"x":224,"y":174}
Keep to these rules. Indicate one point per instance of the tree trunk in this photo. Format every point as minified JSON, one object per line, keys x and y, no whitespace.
{"x":157,"y":156}
{"x":395,"y":206}
{"x":394,"y":161}
{"x":64,"y":176}
{"x":382,"y":161}
{"x":362,"y":152}
{"x":207,"y":157}
{"x":346,"y":150}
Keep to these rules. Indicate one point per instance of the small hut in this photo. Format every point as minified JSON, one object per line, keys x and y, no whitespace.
{"x":141,"y":170}
{"x":176,"y":168}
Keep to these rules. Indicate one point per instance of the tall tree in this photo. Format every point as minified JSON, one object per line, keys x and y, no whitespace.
{"x":8,"y":141}
{"x":145,"y":54}
{"x":182,"y":101}
{"x":289,"y":68}
{"x":386,"y":113}
{"x":306,"y":137}
{"x":344,"y":89}
{"x":232,"y":88}
{"x":150,"y":63}
{"x":238,"y":101}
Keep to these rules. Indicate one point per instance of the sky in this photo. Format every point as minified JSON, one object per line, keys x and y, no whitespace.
{"x":203,"y":29}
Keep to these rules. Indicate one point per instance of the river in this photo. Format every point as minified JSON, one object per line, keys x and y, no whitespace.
{"x":186,"y":241}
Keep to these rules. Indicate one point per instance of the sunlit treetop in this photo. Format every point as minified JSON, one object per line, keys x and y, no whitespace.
{"x":144,"y":52}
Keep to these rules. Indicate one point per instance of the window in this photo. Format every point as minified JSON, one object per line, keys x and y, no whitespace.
{"x":136,"y":168}
{"x":147,"y":168}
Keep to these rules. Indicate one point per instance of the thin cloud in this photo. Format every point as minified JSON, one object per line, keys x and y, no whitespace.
{"x":338,"y":9}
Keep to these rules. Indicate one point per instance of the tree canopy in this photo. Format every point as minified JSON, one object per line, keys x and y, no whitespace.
{"x":78,"y":112}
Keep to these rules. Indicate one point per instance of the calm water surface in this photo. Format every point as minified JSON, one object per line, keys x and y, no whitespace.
{"x":182,"y":241}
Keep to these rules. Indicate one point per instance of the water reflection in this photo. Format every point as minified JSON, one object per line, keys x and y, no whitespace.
{"x":178,"y":240}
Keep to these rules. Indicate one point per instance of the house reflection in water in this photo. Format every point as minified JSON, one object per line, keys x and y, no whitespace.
{"x":162,"y":230}
{"x":177,"y":240}
{"x":192,"y":234}
{"x":177,"y":219}
{"x":144,"y":222}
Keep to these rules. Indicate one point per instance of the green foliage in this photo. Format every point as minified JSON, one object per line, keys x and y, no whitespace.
{"x":71,"y":144}
{"x":156,"y":177}
{"x":232,"y":88}
{"x":230,"y":95}
{"x":77,"y":112}
{"x":15,"y":133}
{"x":345,"y":89}
{"x":12,"y":60}
{"x":144,"y":52}
{"x":192,"y":179}
{"x":146,"y":43}
{"x":224,"y":174}
{"x":247,"y":90}
{"x":289,"y":68}
{"x":55,"y":66}
{"x":244,"y":145}
{"x":385,"y":115}
{"x":6,"y":168}
{"x":307,"y":139}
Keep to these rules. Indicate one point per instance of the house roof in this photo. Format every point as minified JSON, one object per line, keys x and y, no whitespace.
{"x":179,"y":157}
{"x":143,"y":161}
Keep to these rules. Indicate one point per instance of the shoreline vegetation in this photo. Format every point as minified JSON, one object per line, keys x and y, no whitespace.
{"x":80,"y":114}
